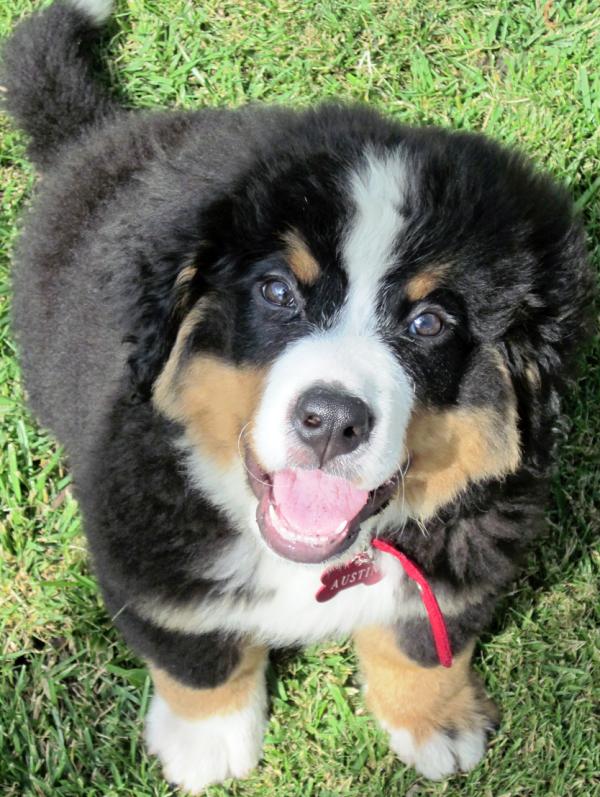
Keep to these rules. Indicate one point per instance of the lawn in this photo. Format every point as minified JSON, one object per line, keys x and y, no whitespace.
{"x":72,"y":696}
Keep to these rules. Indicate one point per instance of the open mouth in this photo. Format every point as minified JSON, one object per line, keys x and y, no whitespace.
{"x":309,"y":516}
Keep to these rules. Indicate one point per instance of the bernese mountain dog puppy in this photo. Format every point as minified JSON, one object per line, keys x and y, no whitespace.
{"x":306,"y":367}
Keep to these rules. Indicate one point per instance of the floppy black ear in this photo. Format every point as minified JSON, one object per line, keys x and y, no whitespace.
{"x":542,"y":345}
{"x":169,"y":287}
{"x":181,"y":246}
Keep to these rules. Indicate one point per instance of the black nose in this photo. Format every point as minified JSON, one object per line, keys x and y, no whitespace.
{"x":331,"y":422}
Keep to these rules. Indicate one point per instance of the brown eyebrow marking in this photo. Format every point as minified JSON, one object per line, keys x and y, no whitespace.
{"x":419,"y":286}
{"x":300,"y":259}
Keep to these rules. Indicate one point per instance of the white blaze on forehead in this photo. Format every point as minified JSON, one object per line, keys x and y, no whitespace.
{"x":350,"y":355}
{"x":378,"y":190}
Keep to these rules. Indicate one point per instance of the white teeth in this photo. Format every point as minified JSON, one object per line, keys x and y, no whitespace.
{"x":287,"y":534}
{"x":280,"y":526}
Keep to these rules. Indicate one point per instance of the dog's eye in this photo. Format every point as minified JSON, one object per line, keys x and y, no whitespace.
{"x":426,"y":325}
{"x":275,"y":291}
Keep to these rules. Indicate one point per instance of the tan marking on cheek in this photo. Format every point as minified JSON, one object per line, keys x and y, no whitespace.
{"x":218,"y":400}
{"x":300,"y":259}
{"x":233,"y":695}
{"x":449,"y":449}
{"x":215,"y":401}
{"x":421,"y":285}
{"x":421,"y":699}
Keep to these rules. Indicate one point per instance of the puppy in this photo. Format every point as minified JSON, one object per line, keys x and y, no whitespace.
{"x":306,"y":367}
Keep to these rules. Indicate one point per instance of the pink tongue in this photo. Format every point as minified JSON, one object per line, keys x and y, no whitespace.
{"x":314,"y":503}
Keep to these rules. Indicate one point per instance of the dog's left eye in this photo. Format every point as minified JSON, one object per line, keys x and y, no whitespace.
{"x":426,"y":325}
{"x":277,"y":292}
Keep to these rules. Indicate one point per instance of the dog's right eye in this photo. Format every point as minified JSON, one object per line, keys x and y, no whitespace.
{"x":277,"y":292}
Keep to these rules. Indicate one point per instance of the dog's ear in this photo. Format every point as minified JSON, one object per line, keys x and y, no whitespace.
{"x":544,"y":341}
{"x":169,"y":290}
{"x":181,"y":251}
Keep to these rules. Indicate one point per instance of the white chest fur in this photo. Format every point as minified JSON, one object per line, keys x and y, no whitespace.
{"x":284,"y":610}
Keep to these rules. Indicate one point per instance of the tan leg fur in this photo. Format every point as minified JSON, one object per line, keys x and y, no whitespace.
{"x":204,"y":736}
{"x":420,"y":699}
{"x":233,"y":695}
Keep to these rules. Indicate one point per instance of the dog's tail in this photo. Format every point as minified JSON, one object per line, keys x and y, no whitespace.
{"x":46,"y":75}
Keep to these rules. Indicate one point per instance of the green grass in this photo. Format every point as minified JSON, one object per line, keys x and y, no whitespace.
{"x":72,"y":696}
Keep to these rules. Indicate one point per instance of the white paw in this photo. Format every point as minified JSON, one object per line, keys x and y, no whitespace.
{"x":195,"y":754}
{"x":442,"y":754}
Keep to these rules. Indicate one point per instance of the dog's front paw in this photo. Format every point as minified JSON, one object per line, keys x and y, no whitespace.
{"x":197,"y":753}
{"x":441,"y":753}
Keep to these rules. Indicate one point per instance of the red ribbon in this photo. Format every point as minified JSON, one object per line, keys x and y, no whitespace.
{"x":436,"y":618}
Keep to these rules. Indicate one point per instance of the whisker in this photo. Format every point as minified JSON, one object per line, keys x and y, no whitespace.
{"x":401,"y":474}
{"x":121,"y":610}
{"x":422,"y":528}
{"x":243,"y":458}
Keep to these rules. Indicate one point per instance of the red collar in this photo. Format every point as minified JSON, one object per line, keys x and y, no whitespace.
{"x":362,"y":570}
{"x":432,"y":607}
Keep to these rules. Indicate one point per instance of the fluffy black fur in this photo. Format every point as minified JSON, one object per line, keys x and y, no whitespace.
{"x":129,"y":199}
{"x":50,"y":90}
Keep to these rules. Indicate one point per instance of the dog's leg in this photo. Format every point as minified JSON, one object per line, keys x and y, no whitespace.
{"x":438,"y":719}
{"x":205,"y":736}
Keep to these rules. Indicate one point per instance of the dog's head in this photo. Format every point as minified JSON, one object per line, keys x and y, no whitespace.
{"x":375,"y":317}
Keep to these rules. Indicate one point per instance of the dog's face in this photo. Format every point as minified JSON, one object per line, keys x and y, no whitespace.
{"x":364,"y":328}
